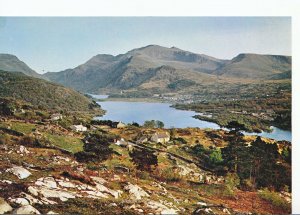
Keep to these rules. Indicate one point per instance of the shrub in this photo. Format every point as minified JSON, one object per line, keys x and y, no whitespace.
{"x":30,"y":141}
{"x":275,"y":199}
{"x":232,"y":180}
{"x":170,"y":175}
{"x":96,"y":147}
{"x":215,"y":156}
{"x":143,"y":159}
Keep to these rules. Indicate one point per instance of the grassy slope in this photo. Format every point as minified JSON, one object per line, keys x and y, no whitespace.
{"x":41,"y":93}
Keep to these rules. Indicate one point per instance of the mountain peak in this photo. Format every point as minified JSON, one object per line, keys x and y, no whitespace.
{"x":12,"y":63}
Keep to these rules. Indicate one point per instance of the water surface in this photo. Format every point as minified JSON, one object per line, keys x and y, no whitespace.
{"x":139,"y":112}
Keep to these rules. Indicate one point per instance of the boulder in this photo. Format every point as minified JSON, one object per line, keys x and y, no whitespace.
{"x":115,"y":194}
{"x":135,"y":191}
{"x":19,"y":171}
{"x":51,"y":212}
{"x":23,"y":150}
{"x":66,"y":184}
{"x":33,"y":191}
{"x":27,"y":209}
{"x":4,"y":206}
{"x":20,"y":201}
{"x":62,"y":195}
{"x":48,"y":182}
{"x":159,"y":208}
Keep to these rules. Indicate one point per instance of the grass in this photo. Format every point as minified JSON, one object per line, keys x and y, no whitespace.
{"x":71,"y":144}
{"x":25,"y":128}
{"x":275,"y":199}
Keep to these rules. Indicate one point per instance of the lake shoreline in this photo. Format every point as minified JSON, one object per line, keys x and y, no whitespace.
{"x":136,"y":111}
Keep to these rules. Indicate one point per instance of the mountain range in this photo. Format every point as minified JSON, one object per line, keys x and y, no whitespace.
{"x":159,"y":69}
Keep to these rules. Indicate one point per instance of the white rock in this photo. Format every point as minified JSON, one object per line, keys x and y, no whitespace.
{"x":51,"y":212}
{"x":115,"y":194}
{"x":4,"y":206}
{"x":20,"y":201}
{"x":33,"y":191}
{"x":98,"y":180}
{"x":140,"y":210}
{"x":168,"y":211}
{"x":160,"y":208}
{"x":225,"y":210}
{"x":6,"y":181}
{"x":49,"y":193}
{"x":201,"y":203}
{"x":48,"y":182}
{"x":136,"y":191}
{"x":113,"y":204}
{"x":31,"y":199}
{"x":47,"y":201}
{"x":208,"y":210}
{"x":66,"y":184}
{"x":27,"y":209}
{"x":19,"y":171}
{"x":23,"y":150}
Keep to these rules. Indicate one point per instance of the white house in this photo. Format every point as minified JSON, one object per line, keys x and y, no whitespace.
{"x":161,"y":137}
{"x":78,"y":128}
{"x":118,"y":125}
{"x":56,"y":116}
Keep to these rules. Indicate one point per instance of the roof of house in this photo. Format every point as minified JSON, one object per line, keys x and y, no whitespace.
{"x":162,"y":135}
{"x":78,"y":126}
{"x":56,"y":114}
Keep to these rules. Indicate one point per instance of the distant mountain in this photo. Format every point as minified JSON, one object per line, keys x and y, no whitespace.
{"x":41,"y":93}
{"x":11,"y":63}
{"x":139,"y":67}
{"x":161,"y":68}
{"x":256,"y":66}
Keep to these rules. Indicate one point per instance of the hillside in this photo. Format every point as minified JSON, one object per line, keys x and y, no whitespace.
{"x":256,"y":66}
{"x":156,"y":68}
{"x":11,"y":63}
{"x":47,"y":168}
{"x":41,"y":93}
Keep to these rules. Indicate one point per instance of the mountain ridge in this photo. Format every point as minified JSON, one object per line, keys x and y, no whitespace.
{"x":12,"y":63}
{"x":135,"y":69}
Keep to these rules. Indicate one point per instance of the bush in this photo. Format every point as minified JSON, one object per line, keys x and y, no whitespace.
{"x":30,"y":141}
{"x":143,"y":159}
{"x":215,"y":156}
{"x":232,"y":180}
{"x":96,"y":147}
{"x":275,"y":199}
{"x":248,"y":184}
{"x":169,"y":175}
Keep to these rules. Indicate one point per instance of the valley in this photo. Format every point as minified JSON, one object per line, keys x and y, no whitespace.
{"x":177,"y":133}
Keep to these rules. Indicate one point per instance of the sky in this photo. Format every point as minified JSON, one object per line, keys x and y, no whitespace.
{"x":58,"y":43}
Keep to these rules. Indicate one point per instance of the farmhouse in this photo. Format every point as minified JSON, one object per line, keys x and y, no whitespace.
{"x":161,"y":137}
{"x":118,"y":125}
{"x":124,"y":143}
{"x":56,"y":116}
{"x":78,"y":128}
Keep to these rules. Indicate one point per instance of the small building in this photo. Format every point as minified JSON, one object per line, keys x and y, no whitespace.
{"x":142,"y":140}
{"x":118,"y":125}
{"x":124,"y":143}
{"x":78,"y":128}
{"x":161,"y":137}
{"x":56,"y":116}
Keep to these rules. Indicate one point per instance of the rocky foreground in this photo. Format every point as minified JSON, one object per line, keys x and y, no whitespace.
{"x":48,"y":181}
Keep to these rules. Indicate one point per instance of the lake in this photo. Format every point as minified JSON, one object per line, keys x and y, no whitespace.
{"x":139,"y":112}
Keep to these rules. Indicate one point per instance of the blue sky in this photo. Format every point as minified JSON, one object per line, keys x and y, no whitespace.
{"x":57,"y":43}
